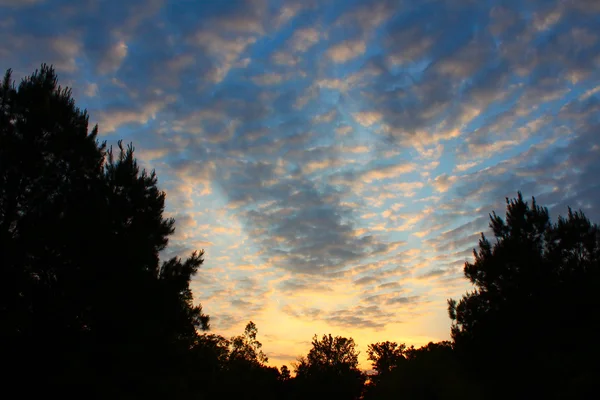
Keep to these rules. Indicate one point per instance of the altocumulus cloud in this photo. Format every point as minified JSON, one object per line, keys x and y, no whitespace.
{"x":336,"y":159}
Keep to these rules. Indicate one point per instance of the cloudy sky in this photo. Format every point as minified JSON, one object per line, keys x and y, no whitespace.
{"x":336,"y":159}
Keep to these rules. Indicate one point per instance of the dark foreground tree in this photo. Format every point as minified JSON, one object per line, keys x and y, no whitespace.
{"x":248,"y":375}
{"x":85,"y":305}
{"x":246,"y":348}
{"x":235,"y":368}
{"x":385,"y":356}
{"x":530,"y":327}
{"x":431,"y":372}
{"x":329,"y":371}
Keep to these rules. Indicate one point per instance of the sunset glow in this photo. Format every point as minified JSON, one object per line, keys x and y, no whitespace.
{"x":337,"y":160}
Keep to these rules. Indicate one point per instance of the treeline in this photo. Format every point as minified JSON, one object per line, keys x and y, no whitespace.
{"x":87,"y":310}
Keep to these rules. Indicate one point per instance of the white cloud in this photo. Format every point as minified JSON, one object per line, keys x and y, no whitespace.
{"x":368,"y":118}
{"x":405,"y":189}
{"x":110,"y":121}
{"x":284,"y":58}
{"x":289,"y":10}
{"x":358,"y":149}
{"x":303,"y":39}
{"x":387,"y":172}
{"x":370,"y":16}
{"x":91,"y":89}
{"x":326,"y":117}
{"x":333,"y":83}
{"x":443,"y":182}
{"x":180,"y":62}
{"x":66,"y":49}
{"x":589,"y":93}
{"x":545,"y":20}
{"x":318,"y":165}
{"x":113,"y":58}
{"x":271,"y":78}
{"x":343,"y":130}
{"x":226,"y":51}
{"x":346,"y":50}
{"x":465,"y":166}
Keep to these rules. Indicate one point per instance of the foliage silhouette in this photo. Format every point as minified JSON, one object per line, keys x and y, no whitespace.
{"x":385,"y":356}
{"x":330,"y":370}
{"x":430,"y":372}
{"x":533,"y":316}
{"x":235,"y":368}
{"x":246,"y":348}
{"x":84,"y":296}
{"x":285,"y":374}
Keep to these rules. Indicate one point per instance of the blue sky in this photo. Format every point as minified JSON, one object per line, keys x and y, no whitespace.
{"x":337,"y":160}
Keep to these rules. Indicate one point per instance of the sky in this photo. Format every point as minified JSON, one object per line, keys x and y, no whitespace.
{"x":336,"y":159}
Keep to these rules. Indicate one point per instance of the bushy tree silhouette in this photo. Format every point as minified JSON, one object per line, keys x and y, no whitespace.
{"x":431,"y":372}
{"x":385,"y":356}
{"x":533,"y":316}
{"x":247,"y":348}
{"x":285,"y":374}
{"x":85,"y":303}
{"x":235,"y":368}
{"x":330,"y":370}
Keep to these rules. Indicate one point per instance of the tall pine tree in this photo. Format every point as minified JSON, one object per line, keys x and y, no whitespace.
{"x":534,"y":315}
{"x":85,"y":303}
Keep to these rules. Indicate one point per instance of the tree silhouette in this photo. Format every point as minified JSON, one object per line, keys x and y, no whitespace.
{"x":386,"y":356}
{"x":85,"y":303}
{"x":236,"y":368}
{"x":284,"y":373}
{"x":534,"y":313}
{"x":426,"y":373}
{"x":330,"y":370}
{"x":51,"y":171}
{"x":247,"y":348}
